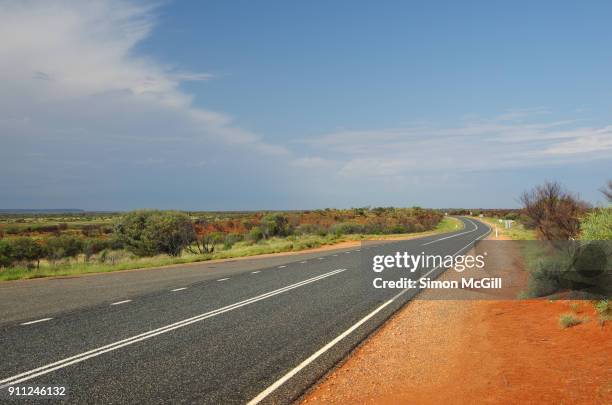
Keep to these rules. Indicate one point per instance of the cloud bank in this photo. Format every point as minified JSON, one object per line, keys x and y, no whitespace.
{"x":86,"y":120}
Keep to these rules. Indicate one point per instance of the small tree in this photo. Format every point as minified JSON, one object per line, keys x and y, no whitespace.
{"x":94,"y":246}
{"x":275,"y":225}
{"x":206,"y":243}
{"x":27,"y":250}
{"x":64,"y":246}
{"x":554,"y":212}
{"x":147,"y":233}
{"x":6,"y":253}
{"x":256,"y":234}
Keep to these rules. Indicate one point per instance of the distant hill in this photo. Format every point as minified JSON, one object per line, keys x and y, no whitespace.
{"x":35,"y":211}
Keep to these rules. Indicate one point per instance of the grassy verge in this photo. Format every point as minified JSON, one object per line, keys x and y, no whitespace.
{"x":240,"y":249}
{"x":516,"y":232}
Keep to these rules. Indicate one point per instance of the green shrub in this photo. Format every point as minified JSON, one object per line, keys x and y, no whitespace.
{"x":347,"y":228}
{"x":275,"y":225}
{"x":6,"y":253}
{"x":569,"y":320}
{"x":310,"y":229}
{"x":231,"y":239}
{"x":568,"y":266}
{"x":147,"y":233}
{"x":94,"y":246}
{"x":27,"y":250}
{"x":11,"y":230}
{"x":64,"y":246}
{"x":597,"y":225}
{"x":604,"y":309}
{"x":256,"y":234}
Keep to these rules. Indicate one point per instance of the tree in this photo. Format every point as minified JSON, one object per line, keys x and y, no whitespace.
{"x":94,"y":246}
{"x":275,"y":225}
{"x":148,"y":232}
{"x":256,"y":234}
{"x":64,"y":246}
{"x":206,"y":243}
{"x":27,"y":250}
{"x":553,"y":212}
{"x":6,"y":253}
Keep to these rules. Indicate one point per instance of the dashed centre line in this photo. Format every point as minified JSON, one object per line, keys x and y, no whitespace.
{"x":223,"y":279}
{"x":282,"y":267}
{"x":48,"y":368}
{"x":179,"y":289}
{"x":256,"y":271}
{"x":121,"y":302}
{"x":36,"y":321}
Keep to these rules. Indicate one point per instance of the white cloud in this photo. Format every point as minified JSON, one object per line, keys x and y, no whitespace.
{"x":313,"y":163}
{"x":499,"y":143}
{"x":75,"y":55}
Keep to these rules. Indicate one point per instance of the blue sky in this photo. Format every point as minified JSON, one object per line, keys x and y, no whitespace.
{"x":284,"y":105}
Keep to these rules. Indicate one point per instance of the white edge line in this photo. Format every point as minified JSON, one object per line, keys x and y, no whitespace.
{"x":454,"y":236}
{"x":36,"y":321}
{"x":30,"y":374}
{"x":121,"y":302}
{"x":344,"y":334}
{"x":314,"y":356}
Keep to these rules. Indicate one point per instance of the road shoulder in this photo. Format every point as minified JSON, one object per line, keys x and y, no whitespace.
{"x":473,"y":351}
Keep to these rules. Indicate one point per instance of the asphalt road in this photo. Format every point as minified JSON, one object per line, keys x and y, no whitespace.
{"x":230,"y":332}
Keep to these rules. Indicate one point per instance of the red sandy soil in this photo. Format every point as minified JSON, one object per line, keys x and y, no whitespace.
{"x":466,"y":352}
{"x":474,"y":351}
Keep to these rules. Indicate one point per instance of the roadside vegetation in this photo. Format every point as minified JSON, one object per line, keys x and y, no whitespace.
{"x":569,"y":320}
{"x":54,"y":245}
{"x":572,"y":254}
{"x":517,"y":230}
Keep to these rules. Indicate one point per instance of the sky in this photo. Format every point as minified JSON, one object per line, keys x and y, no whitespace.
{"x":246,"y":105}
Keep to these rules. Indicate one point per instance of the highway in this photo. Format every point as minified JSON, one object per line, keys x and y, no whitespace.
{"x":260,"y":330}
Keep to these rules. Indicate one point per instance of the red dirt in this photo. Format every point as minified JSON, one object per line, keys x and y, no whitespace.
{"x":466,"y":351}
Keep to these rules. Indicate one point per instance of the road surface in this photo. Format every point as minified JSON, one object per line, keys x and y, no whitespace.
{"x":258,"y":330}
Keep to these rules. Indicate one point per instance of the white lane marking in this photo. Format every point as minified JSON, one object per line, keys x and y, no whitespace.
{"x":331,"y":344}
{"x":28,"y":375}
{"x":320,"y":258}
{"x":335,"y":255}
{"x":304,"y":262}
{"x":282,"y":267}
{"x":121,"y":302}
{"x":223,"y":279}
{"x":358,"y":250}
{"x":255,"y":272}
{"x":347,"y":252}
{"x":36,"y":321}
{"x":318,"y":353}
{"x":454,"y":236}
{"x":179,"y":289}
